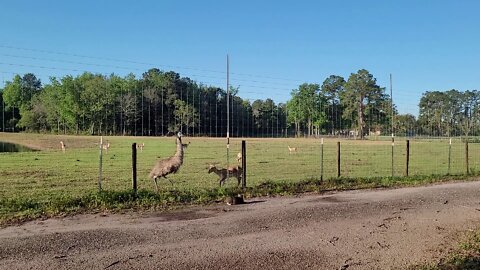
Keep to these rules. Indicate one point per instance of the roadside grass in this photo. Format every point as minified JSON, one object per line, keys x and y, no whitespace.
{"x":50,"y":183}
{"x":465,"y":257}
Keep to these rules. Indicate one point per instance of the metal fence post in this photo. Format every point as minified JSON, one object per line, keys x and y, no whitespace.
{"x":466,"y":155}
{"x":393,"y":145}
{"x":449,"y":155}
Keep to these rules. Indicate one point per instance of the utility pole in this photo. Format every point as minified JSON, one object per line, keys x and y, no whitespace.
{"x":228,"y":113}
{"x":391,"y":102}
{"x":3,"y":108}
{"x":393,"y":134}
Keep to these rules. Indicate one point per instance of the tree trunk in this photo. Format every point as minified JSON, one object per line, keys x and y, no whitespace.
{"x":360,"y":117}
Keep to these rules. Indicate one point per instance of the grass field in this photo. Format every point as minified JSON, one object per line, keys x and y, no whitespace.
{"x":51,"y":182}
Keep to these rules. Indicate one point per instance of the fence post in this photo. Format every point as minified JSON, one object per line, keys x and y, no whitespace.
{"x":393,"y":145}
{"x":134,"y":167}
{"x":407,"y":157}
{"x":244,"y":165}
{"x":338,"y":159}
{"x":100,"y":166}
{"x":449,"y":155}
{"x":466,"y":155}
{"x":321,"y":160}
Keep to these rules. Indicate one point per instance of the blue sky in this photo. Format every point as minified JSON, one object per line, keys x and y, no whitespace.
{"x":273,"y":45}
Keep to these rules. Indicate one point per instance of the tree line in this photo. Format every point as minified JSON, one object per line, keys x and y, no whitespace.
{"x":162,"y":102}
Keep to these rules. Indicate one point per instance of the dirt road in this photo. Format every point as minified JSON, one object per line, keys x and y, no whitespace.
{"x":379,"y":229}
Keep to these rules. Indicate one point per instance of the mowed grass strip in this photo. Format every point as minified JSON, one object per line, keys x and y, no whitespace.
{"x":49,"y":182}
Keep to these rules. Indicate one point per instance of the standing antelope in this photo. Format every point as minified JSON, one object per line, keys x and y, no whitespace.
{"x":232,"y":171}
{"x":141,"y":146}
{"x":185,"y":145}
{"x":239,"y":157}
{"x":292,"y":149}
{"x":63,"y":146}
{"x":105,"y":147}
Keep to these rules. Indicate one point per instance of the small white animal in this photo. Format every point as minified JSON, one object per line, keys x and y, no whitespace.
{"x":141,"y":146}
{"x":239,"y":157}
{"x":292,"y":149}
{"x":105,"y":147}
{"x":63,"y":146}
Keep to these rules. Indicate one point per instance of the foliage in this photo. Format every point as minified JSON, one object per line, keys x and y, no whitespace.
{"x":465,"y":257}
{"x":362,"y":96}
{"x":162,"y":102}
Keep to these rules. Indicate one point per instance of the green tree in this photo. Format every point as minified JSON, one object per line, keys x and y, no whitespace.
{"x":406,"y":125}
{"x":361,"y":91}
{"x":304,"y":108}
{"x":330,"y":90}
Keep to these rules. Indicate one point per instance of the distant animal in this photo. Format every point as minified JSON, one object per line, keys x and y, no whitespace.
{"x":63,"y":146}
{"x":232,"y":171}
{"x":169,"y":165}
{"x":239,"y":157}
{"x":141,"y":146}
{"x":185,"y":145}
{"x":105,"y":147}
{"x":292,"y":149}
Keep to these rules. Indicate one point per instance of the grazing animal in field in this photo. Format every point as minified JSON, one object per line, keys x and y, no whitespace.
{"x":239,"y":157}
{"x":105,"y":147}
{"x":232,"y":171}
{"x":185,"y":145}
{"x":63,"y":146}
{"x":292,"y":149}
{"x":169,"y":165}
{"x":141,"y":146}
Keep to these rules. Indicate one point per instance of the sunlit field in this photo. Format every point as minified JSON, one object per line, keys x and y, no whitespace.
{"x":49,"y":172}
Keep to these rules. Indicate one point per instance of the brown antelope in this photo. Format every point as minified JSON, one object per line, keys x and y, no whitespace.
{"x":105,"y":147}
{"x":239,"y":157}
{"x":185,"y":145}
{"x":63,"y":146}
{"x":292,"y":149}
{"x":232,"y":171}
{"x":141,"y":146}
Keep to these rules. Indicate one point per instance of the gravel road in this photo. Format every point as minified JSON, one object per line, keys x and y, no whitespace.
{"x":367,"y":229}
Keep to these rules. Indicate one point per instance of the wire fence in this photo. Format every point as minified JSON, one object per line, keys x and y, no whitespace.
{"x":148,"y":108}
{"x":53,"y":173}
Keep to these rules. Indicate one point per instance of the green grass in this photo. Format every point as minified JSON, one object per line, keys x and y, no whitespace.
{"x":465,"y":257}
{"x":49,"y":182}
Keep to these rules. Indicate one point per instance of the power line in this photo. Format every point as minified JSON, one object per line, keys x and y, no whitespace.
{"x":79,"y":70}
{"x":126,"y":68}
{"x":144,"y":63}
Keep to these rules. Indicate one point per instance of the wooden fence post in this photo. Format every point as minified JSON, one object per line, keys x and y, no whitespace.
{"x":407,"y":157}
{"x":100,"y":166}
{"x":321,"y":160}
{"x":134,"y":167}
{"x":244,"y":164}
{"x":338,"y":159}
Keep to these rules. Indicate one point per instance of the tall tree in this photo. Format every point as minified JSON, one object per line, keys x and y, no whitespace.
{"x":331,"y":89}
{"x":361,"y":90}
